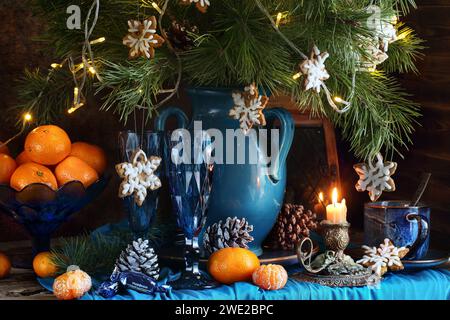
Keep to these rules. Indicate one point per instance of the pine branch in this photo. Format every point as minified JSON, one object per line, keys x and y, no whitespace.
{"x":381,"y":118}
{"x":96,"y":254}
{"x":404,"y":53}
{"x":45,"y":95}
{"x":135,"y":84}
{"x":237,"y":45}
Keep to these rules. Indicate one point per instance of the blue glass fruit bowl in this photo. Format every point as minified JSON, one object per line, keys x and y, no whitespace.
{"x":42,"y":210}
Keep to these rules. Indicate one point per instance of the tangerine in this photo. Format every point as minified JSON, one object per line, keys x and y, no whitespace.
{"x":23,"y":158}
{"x":5,"y":266}
{"x":43,"y":265}
{"x":75,"y":169}
{"x":270,"y":277}
{"x":4,"y":149}
{"x":72,"y":285}
{"x":91,"y":154}
{"x":30,"y":173}
{"x":47,"y":145}
{"x":7,"y":168}
{"x":232,"y":265}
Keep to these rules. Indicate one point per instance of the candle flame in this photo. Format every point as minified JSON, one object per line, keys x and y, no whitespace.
{"x":321,"y":196}
{"x":334,"y":196}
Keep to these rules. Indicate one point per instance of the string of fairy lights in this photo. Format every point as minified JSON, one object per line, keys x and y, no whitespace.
{"x":88,"y":66}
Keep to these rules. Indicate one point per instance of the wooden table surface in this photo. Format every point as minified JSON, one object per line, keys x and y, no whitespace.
{"x":22,"y":283}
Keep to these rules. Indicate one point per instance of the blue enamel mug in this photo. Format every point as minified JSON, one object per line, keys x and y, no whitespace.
{"x":399,"y":221}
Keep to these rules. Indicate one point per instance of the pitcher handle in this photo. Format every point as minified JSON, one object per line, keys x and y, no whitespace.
{"x":287,"y":129}
{"x":423,"y":231}
{"x":161,"y":120}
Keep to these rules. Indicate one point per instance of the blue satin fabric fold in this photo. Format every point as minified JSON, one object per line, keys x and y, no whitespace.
{"x":414,"y":285}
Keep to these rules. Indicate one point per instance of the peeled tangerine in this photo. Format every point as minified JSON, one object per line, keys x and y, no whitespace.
{"x":270,"y":277}
{"x":72,"y":285}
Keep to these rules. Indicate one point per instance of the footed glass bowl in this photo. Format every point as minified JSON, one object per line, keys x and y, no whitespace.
{"x":42,"y":210}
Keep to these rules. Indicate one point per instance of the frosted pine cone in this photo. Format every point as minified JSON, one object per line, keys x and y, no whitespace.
{"x":139,"y":257}
{"x":234,"y":233}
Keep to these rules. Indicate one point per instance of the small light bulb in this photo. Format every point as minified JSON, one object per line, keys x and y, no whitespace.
{"x":56,"y":65}
{"x":279,"y":17}
{"x":92,"y":70}
{"x":296,"y":76}
{"x":157,"y":8}
{"x":75,"y":108}
{"x":99,"y":40}
{"x":402,"y":35}
{"x":27,"y":117}
{"x":394,"y":20}
{"x":338,"y":99}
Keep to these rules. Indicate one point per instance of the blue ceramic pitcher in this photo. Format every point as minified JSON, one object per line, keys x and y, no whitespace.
{"x":240,"y":190}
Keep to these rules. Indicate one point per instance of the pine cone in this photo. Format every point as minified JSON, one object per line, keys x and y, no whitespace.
{"x":179,"y":34}
{"x":139,"y":257}
{"x":292,"y":225}
{"x":234,"y":233}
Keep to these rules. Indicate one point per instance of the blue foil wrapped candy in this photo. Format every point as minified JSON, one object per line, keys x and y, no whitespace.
{"x":130,"y":280}
{"x":108,"y":289}
{"x":141,"y":283}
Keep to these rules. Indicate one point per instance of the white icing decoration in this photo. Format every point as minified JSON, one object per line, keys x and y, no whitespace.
{"x":248,"y":108}
{"x":375,"y":178}
{"x":386,"y":256}
{"x":138,"y":176}
{"x":314,"y":70}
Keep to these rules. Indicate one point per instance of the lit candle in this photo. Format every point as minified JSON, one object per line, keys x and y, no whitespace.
{"x":337,"y":212}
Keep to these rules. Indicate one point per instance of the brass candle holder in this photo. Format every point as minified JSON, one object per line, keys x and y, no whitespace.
{"x":336,"y":237}
{"x":333,"y":267}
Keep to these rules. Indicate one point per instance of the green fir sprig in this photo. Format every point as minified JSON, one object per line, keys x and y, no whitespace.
{"x":237,"y":45}
{"x":96,"y":253}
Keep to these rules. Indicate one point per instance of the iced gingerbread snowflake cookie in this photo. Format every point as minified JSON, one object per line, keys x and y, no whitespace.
{"x":314,"y":70}
{"x":248,"y":108}
{"x":387,"y":257}
{"x":138,"y":176}
{"x":142,"y":38}
{"x":375,"y":178}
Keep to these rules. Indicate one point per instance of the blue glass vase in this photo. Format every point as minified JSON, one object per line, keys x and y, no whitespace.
{"x":42,"y":210}
{"x":141,"y":217}
{"x":190,"y":183}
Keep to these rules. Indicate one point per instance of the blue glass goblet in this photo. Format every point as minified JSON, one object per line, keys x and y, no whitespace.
{"x":190,"y":177}
{"x":141,"y":217}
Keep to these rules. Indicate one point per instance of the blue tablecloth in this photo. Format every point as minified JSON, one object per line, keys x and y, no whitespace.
{"x":412,"y":285}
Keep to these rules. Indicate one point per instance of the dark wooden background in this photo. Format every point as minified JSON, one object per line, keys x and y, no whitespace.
{"x":431,"y":151}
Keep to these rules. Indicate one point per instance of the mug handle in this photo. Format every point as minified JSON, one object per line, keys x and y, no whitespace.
{"x":161,"y":120}
{"x":422,"y":232}
{"x":287,"y":130}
